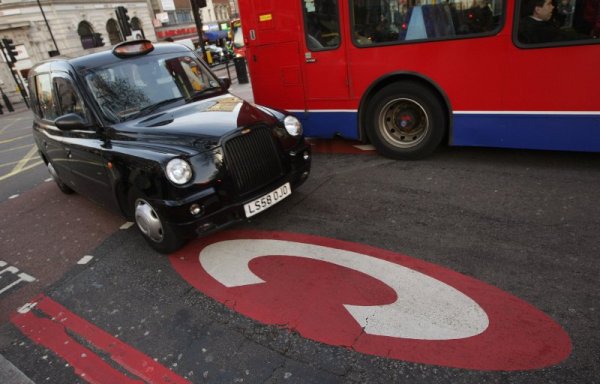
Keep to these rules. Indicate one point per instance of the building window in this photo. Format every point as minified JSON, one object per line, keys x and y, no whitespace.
{"x":136,"y":28}
{"x":87,"y":36}
{"x":113,"y":32}
{"x":180,"y":17}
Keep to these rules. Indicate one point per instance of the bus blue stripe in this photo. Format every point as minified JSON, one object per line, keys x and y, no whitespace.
{"x":566,"y":132}
{"x":329,"y":124}
{"x":554,"y":132}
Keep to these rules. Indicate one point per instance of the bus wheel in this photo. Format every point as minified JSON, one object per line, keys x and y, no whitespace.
{"x":405,"y":121}
{"x":157,"y":233}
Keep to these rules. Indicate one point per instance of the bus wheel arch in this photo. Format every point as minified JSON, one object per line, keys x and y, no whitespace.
{"x":405,"y":116}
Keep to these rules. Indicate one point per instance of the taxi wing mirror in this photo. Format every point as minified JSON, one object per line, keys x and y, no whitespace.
{"x":225,"y":83}
{"x":70,"y":122}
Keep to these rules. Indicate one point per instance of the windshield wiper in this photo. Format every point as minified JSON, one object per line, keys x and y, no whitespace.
{"x":151,"y":108}
{"x":199,"y":94}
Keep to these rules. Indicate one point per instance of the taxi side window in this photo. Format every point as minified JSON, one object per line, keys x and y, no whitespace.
{"x":68,"y":99}
{"x":45,"y":97}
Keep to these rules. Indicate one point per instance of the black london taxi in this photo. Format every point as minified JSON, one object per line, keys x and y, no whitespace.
{"x":148,"y":130}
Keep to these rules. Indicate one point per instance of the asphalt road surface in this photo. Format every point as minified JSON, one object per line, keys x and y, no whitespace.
{"x":503,"y":243}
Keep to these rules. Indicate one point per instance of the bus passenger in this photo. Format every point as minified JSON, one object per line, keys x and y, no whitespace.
{"x":592,"y":17}
{"x":537,"y":27}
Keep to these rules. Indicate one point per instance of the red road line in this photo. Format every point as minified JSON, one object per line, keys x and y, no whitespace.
{"x":51,"y":333}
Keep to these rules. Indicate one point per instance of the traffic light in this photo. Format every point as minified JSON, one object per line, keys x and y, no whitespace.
{"x":123,"y":19}
{"x":10,"y":50}
{"x":98,"y":40}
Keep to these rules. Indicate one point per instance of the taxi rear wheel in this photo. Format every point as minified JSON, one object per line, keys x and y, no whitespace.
{"x":405,"y":121}
{"x":158,"y":234}
{"x":64,"y":188}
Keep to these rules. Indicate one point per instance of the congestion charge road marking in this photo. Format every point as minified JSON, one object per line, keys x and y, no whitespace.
{"x":372,"y":300}
{"x":51,"y":325}
{"x":437,"y":311}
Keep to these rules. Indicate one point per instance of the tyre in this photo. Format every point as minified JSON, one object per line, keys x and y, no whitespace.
{"x":405,"y":120}
{"x":64,"y":188}
{"x":158,"y":234}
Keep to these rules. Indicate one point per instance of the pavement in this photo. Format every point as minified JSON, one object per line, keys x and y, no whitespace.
{"x":17,"y":106}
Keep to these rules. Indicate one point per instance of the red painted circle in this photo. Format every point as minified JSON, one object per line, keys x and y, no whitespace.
{"x":308,"y":296}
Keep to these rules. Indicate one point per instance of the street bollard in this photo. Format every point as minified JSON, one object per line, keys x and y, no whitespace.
{"x":240,"y":69}
{"x":7,"y":101}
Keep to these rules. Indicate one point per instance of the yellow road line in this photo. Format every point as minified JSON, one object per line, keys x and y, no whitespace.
{"x":13,"y":139}
{"x":16,"y":162}
{"x":15,"y":148}
{"x":32,"y":152}
{"x":9,"y":125}
{"x":22,"y":170}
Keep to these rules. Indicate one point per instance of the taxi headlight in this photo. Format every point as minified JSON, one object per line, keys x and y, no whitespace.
{"x":179,"y":171}
{"x":292,"y":126}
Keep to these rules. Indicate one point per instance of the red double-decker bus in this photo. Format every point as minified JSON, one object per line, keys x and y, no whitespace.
{"x":407,"y":75}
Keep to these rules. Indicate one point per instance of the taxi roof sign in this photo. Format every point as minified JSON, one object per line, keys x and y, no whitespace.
{"x":133,"y":48}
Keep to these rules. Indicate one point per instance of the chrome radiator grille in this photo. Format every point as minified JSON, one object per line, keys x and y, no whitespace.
{"x":252,"y":159}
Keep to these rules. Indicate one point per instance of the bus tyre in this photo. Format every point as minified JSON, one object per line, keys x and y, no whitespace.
{"x":158,"y":234}
{"x":64,"y":188}
{"x":405,"y":120}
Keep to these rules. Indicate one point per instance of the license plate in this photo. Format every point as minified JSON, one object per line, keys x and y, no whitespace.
{"x":268,"y":200}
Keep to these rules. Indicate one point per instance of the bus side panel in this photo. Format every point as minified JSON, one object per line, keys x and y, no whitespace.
{"x":280,"y":85}
{"x":551,"y":103}
{"x":270,"y":30}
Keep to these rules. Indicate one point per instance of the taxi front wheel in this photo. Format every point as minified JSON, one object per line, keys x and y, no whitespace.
{"x":405,"y":120}
{"x":158,"y":234}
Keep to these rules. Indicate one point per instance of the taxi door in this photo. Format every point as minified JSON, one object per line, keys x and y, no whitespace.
{"x":84,"y":147}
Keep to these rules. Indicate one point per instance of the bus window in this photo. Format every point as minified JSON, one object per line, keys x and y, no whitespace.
{"x":543,"y":22}
{"x":395,"y":21}
{"x":321,"y":23}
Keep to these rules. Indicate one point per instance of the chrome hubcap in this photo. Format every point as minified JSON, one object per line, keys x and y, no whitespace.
{"x":148,"y":221}
{"x":403,"y":123}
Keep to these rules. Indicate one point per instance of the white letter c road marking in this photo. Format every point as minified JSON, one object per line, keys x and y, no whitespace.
{"x":425,"y":308}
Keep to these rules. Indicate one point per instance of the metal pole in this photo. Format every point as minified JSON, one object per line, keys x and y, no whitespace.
{"x":198,"y":21}
{"x":48,"y":26}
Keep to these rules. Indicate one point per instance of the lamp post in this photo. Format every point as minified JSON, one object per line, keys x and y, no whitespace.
{"x":196,"y":5}
{"x":49,"y":30}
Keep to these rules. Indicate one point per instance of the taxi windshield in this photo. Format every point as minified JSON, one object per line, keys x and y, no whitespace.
{"x":133,"y":88}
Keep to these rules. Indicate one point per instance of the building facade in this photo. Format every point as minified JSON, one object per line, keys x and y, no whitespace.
{"x":177,"y":21}
{"x":44,"y":28}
